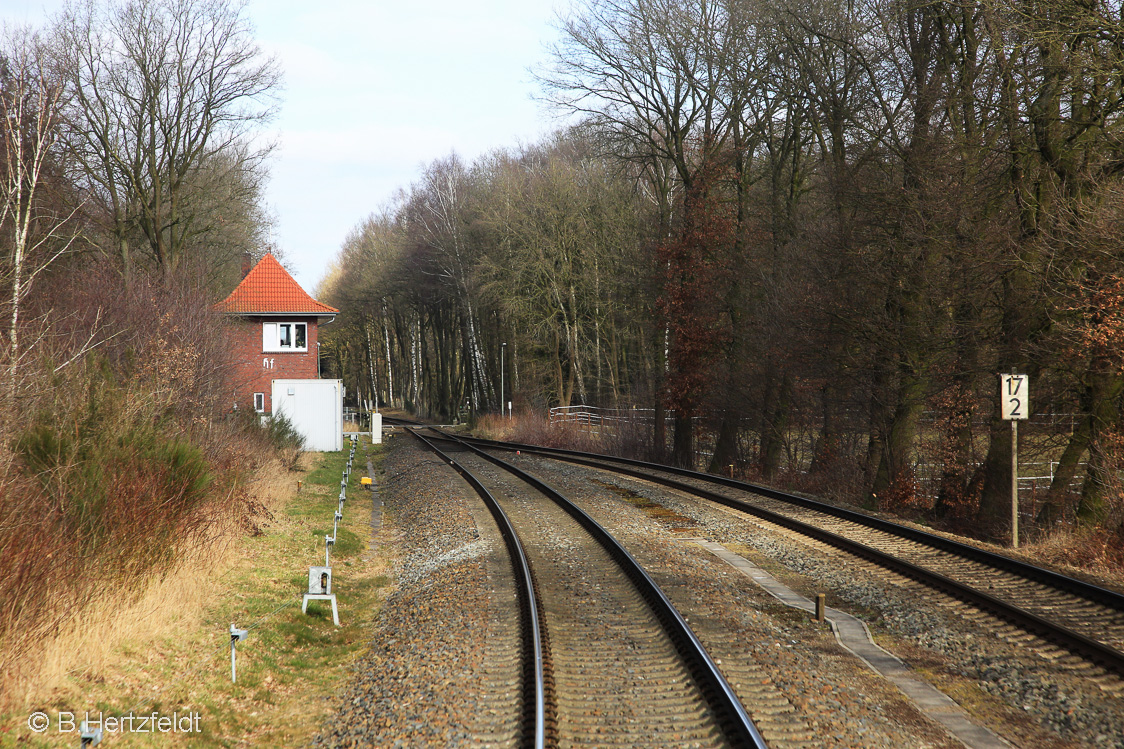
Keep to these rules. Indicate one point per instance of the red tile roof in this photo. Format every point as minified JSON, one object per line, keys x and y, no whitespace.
{"x":269,"y":289}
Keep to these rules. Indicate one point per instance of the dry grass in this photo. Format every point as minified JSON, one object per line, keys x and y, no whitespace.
{"x":117,"y":463}
{"x":87,"y":646}
{"x":1095,"y":552}
{"x":166,"y":651}
{"x":623,"y":439}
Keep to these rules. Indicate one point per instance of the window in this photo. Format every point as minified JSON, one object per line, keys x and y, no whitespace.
{"x":284,"y":336}
{"x":259,"y":402}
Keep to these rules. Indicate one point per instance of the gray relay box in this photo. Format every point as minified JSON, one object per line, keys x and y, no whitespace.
{"x":320,"y":581}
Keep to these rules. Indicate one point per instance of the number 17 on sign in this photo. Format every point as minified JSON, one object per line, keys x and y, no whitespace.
{"x":1014,"y":406}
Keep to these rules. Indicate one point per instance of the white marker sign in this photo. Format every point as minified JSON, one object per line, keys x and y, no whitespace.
{"x":1014,"y":396}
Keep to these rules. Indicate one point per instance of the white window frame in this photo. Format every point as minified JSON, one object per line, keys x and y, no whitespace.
{"x":273,"y":332}
{"x":259,"y":402}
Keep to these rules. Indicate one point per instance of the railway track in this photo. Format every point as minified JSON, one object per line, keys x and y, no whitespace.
{"x":537,"y":713}
{"x":1062,"y":619}
{"x":621,"y":659}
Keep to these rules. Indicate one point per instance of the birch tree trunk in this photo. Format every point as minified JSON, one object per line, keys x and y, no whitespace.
{"x":371,"y":366}
{"x":29,"y":118}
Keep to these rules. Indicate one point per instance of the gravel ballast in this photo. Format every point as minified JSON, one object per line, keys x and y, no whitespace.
{"x":427,"y":679}
{"x":439,"y":671}
{"x":1066,"y":709}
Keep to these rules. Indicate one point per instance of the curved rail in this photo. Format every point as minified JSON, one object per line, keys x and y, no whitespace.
{"x":1094,"y":651}
{"x":735,"y":723}
{"x":538,"y":708}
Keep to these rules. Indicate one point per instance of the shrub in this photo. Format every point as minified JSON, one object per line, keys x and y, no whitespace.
{"x":282,"y":434}
{"x":272,"y":435}
{"x":115,"y":457}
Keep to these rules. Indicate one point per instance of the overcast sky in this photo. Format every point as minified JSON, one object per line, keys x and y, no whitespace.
{"x":374,"y":90}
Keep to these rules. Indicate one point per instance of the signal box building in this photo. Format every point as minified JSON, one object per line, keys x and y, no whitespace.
{"x":273,"y":331}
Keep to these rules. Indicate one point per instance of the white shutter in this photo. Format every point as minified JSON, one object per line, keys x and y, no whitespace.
{"x":269,"y":337}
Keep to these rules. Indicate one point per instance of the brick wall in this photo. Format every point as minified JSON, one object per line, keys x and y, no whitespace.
{"x":253,"y":371}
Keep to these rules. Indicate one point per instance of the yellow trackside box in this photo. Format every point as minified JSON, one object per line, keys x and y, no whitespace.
{"x":364,"y":481}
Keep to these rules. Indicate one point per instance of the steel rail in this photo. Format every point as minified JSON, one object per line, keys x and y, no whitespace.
{"x":1089,"y":591}
{"x":1094,"y":651}
{"x":733,"y":719}
{"x":537,"y":702}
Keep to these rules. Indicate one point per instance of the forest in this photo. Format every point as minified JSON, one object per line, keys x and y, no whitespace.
{"x":794,"y":239}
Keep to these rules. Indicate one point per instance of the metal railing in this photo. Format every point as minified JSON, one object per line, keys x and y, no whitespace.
{"x":594,"y":416}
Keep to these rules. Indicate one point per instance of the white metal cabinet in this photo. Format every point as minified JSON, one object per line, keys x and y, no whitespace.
{"x":315,"y":408}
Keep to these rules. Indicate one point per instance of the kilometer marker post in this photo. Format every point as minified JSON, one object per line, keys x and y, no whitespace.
{"x":1014,"y":406}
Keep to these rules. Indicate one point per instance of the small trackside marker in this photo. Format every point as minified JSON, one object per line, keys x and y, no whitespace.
{"x":365,"y":481}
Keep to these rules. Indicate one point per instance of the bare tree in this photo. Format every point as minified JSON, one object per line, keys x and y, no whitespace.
{"x":35,"y":235}
{"x":653,"y":78}
{"x":565,"y":228}
{"x":158,"y":90}
{"x":438,"y":213}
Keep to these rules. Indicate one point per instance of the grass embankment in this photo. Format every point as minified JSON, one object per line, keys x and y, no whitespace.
{"x":168,"y":653}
